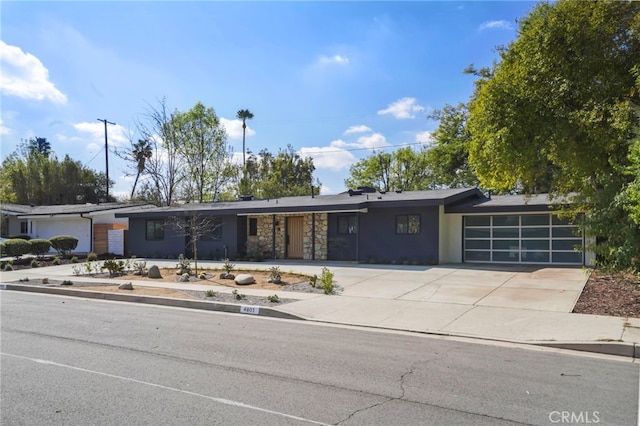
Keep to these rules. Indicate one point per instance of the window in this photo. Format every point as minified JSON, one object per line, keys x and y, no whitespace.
{"x":348,"y":224}
{"x":253,"y":226}
{"x":155,"y":230}
{"x":24,"y":227}
{"x":408,"y":224}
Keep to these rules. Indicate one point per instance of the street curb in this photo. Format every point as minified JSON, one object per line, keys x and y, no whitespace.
{"x":155,"y":300}
{"x":629,"y":350}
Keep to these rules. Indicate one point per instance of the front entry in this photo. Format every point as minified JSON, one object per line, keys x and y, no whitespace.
{"x":295,"y":237}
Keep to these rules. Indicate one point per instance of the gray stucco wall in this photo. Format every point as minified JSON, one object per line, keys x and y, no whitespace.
{"x":173,"y":243}
{"x":377,"y":239}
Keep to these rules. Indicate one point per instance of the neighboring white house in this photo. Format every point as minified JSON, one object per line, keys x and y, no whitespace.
{"x":94,"y":225}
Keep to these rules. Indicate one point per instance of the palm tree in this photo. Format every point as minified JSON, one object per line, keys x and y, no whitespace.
{"x":244,"y":115}
{"x":141,"y":152}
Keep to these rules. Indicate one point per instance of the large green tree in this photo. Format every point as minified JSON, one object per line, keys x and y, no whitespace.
{"x":282,"y":175}
{"x":31,"y":176}
{"x":448,"y":157}
{"x":204,"y":153}
{"x":404,"y":169}
{"x":558,"y":108}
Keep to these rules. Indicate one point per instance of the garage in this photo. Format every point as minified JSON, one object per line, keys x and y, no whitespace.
{"x":522,"y":238}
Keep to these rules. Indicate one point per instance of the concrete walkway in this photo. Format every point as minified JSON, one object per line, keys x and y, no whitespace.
{"x":521,"y":304}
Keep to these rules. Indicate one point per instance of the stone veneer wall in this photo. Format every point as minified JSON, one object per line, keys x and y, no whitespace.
{"x":265,"y":233}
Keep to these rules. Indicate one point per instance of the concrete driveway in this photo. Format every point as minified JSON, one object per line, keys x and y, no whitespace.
{"x":525,"y":287}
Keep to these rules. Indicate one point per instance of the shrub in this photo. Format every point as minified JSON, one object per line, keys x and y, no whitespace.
{"x":313,"y":281}
{"x":40,"y":247}
{"x":2,"y":250}
{"x":274,"y":274}
{"x":67,"y":282}
{"x":113,"y":266}
{"x":34,"y":263}
{"x":183,"y":266}
{"x":17,"y":247}
{"x":91,"y":257}
{"x":203,"y":275}
{"x":74,"y":259}
{"x":273,"y":298}
{"x":8,"y":267}
{"x":140,"y":267}
{"x":326,"y":281}
{"x":64,"y":243}
{"x":56,"y":260}
{"x":238,"y":296}
{"x":228,"y":266}
{"x":210,"y":293}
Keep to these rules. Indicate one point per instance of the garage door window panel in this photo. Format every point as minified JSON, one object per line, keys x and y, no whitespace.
{"x":506,"y":233}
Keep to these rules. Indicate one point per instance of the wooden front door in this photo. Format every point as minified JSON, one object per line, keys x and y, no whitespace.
{"x":294,"y":237}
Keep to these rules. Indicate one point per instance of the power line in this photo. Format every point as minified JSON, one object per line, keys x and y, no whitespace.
{"x":361,"y":149}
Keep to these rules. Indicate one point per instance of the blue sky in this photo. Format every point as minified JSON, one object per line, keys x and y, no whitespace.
{"x":332,"y":79}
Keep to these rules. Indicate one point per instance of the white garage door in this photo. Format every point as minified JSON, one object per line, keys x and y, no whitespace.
{"x":536,"y":238}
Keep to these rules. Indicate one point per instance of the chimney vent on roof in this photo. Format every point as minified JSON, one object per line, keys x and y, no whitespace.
{"x":246,"y":197}
{"x":399,"y":191}
{"x":356,"y":192}
{"x":366,"y":189}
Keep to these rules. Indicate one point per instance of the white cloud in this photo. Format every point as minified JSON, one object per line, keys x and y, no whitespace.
{"x":24,"y":76}
{"x":403,"y":108}
{"x":375,"y":140}
{"x":95,"y":132}
{"x":335,"y":59}
{"x":325,"y":190}
{"x":357,"y":129}
{"x":331,"y":157}
{"x":424,"y":137}
{"x":4,"y":130}
{"x":496,"y":25}
{"x":234,"y":128}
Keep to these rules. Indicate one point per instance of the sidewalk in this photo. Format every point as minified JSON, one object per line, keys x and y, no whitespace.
{"x":515,"y":304}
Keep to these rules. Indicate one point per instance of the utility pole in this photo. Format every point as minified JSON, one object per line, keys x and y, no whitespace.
{"x":106,"y":155}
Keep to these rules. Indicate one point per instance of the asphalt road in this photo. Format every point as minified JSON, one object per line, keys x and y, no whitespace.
{"x":80,"y":362}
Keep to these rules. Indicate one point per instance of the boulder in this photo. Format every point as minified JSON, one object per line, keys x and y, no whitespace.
{"x":154,"y":272}
{"x":126,"y":286}
{"x":244,"y":279}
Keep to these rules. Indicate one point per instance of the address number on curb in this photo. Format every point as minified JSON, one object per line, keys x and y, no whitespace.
{"x":253,"y":310}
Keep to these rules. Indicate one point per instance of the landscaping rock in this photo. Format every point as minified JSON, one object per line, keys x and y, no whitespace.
{"x":154,"y":272}
{"x":184,"y":278}
{"x":126,"y":286}
{"x":244,"y":279}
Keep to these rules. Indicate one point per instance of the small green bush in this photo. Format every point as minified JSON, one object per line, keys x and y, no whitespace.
{"x":8,"y":267}
{"x":17,"y":247}
{"x":238,"y":296}
{"x":64,"y":244}
{"x":56,"y":260}
{"x":34,"y":263}
{"x":313,"y":281}
{"x":40,"y":247}
{"x":273,"y":298}
{"x":2,"y":253}
{"x":113,"y":266}
{"x":203,"y":275}
{"x":274,"y":274}
{"x":74,"y":259}
{"x":228,"y":266}
{"x":91,"y":257}
{"x":67,"y":282}
{"x":210,"y":293}
{"x":184,"y":265}
{"x":326,"y":281}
